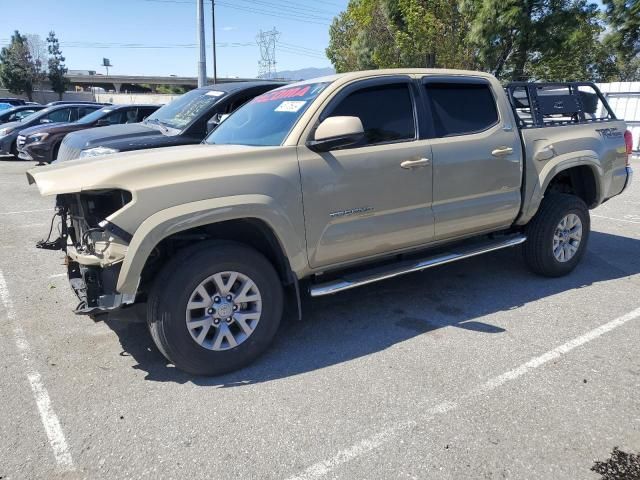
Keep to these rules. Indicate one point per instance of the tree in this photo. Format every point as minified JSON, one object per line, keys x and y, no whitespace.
{"x":537,"y":39}
{"x":18,"y":71}
{"x":400,"y":33}
{"x":623,"y":39}
{"x":57,"y":68}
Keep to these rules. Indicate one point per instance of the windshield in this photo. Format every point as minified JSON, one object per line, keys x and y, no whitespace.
{"x":95,"y":115}
{"x":183,"y":110}
{"x":266,"y":120}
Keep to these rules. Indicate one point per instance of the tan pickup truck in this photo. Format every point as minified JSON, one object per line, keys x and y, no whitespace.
{"x":330,"y":184}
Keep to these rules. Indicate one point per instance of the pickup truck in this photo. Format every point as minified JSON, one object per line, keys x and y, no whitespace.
{"x":327,"y":185}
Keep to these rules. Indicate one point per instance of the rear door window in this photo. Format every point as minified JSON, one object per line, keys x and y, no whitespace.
{"x":460,"y":108}
{"x":386,"y":112}
{"x":62,"y":115}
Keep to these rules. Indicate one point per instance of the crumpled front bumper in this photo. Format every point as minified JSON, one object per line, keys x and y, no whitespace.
{"x":95,"y":287}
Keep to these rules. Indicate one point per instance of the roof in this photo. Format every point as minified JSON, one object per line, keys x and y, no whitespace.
{"x":393,"y":71}
{"x":235,"y":86}
{"x":129,"y":105}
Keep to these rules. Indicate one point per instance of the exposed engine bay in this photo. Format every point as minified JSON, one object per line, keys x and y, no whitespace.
{"x":84,"y":231}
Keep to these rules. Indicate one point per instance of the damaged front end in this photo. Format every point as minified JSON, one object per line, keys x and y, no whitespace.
{"x":94,"y":247}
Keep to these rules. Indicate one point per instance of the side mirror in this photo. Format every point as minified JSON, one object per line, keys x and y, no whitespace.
{"x":103,"y":122}
{"x":336,"y":132}
{"x":45,"y":120}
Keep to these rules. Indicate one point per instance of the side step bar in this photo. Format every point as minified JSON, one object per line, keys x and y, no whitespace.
{"x":366,"y":277}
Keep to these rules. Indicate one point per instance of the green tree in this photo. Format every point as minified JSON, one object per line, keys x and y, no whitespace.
{"x":623,"y":38}
{"x":57,"y":68}
{"x":537,"y":39}
{"x":18,"y":71}
{"x":400,"y":33}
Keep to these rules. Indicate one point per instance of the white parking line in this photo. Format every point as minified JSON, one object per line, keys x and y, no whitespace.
{"x":374,"y":442}
{"x":28,"y":211}
{"x":617,"y":219}
{"x":48,"y":416}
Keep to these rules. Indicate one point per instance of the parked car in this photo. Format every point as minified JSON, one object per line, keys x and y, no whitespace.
{"x":58,"y":113}
{"x":183,"y":121}
{"x":331,"y":184}
{"x":42,"y":142}
{"x":80,"y":102}
{"x":12,"y":101}
{"x":5,"y":106}
{"x":15,"y":114}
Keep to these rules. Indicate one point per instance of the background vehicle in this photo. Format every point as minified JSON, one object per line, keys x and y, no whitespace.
{"x":15,"y":114}
{"x":41,"y":143}
{"x":12,"y":101}
{"x":183,"y":121}
{"x":331,"y":184}
{"x":5,"y":106}
{"x":58,"y":113}
{"x":71,"y":102}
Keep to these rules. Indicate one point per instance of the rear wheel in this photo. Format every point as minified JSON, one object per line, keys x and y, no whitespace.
{"x":557,"y":236}
{"x":215,"y":308}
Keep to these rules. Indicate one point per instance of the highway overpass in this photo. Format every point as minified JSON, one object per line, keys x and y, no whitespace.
{"x":139,"y":83}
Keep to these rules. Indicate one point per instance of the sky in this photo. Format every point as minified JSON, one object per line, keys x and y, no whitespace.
{"x":164,"y":33}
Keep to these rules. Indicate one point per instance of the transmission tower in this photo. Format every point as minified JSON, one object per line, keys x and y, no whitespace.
{"x":267,"y":42}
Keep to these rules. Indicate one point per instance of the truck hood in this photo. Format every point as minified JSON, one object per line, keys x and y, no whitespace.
{"x":134,"y":170}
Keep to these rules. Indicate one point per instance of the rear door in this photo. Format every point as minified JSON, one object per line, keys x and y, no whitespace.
{"x":374,"y":197}
{"x":477,"y":157}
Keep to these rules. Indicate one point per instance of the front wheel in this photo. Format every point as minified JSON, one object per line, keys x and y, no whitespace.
{"x":557,"y":235}
{"x":215,"y":308}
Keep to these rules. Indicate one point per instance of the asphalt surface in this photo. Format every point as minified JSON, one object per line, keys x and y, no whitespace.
{"x":478,"y":369}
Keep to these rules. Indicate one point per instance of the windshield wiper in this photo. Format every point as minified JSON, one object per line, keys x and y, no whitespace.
{"x":155,"y":121}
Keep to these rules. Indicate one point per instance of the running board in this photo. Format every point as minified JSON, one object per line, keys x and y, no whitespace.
{"x":366,"y":277}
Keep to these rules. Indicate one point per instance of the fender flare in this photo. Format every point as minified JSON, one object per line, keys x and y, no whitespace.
{"x":205,"y":212}
{"x":552,"y":169}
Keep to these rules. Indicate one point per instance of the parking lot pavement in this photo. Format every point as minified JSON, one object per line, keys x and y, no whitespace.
{"x":477,"y":369}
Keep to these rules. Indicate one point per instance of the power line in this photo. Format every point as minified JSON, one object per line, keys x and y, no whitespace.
{"x":287,"y":16}
{"x":298,"y":9}
{"x":311,"y":50}
{"x":301,"y":16}
{"x":295,"y":9}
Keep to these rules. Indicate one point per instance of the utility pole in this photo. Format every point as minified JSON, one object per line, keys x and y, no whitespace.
{"x":202,"y":63}
{"x":213,"y":35}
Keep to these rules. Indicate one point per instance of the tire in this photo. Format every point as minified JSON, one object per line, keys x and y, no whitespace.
{"x":54,"y":155}
{"x":541,"y":240}
{"x":174,"y":291}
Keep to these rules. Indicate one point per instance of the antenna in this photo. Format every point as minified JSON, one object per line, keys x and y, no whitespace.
{"x":267,"y":42}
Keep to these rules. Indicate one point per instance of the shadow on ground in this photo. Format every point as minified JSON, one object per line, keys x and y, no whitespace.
{"x":363,"y":321}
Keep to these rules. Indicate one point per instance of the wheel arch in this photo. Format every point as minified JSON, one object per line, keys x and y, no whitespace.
{"x":580,"y":176}
{"x":254,"y":220}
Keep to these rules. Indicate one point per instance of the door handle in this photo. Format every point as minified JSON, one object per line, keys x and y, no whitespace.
{"x":423,"y":162}
{"x":502,"y":151}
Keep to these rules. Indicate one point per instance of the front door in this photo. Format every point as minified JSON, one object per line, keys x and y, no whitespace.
{"x":374,"y":197}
